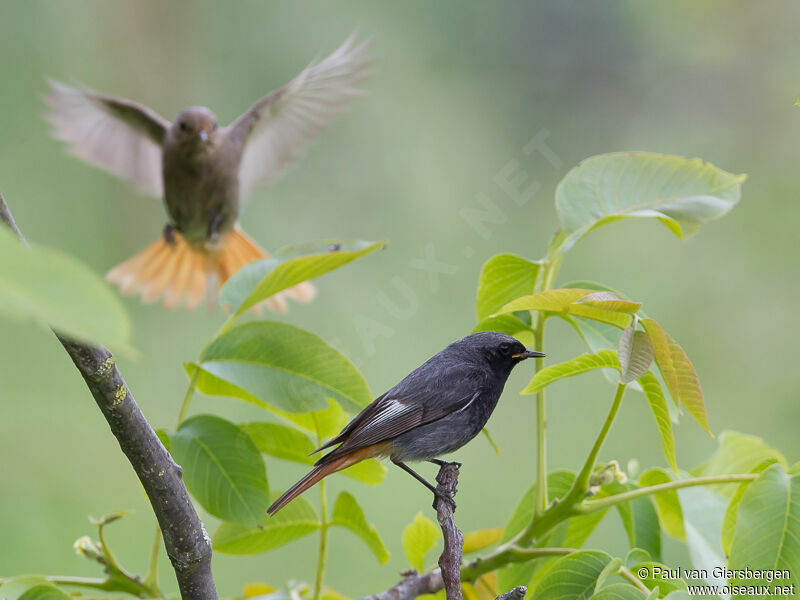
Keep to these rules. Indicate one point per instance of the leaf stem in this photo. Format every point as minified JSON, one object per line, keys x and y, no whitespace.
{"x":582,"y":480}
{"x":187,"y":399}
{"x":323,"y":542}
{"x":591,"y":506}
{"x":508,"y":555}
{"x":627,"y":574}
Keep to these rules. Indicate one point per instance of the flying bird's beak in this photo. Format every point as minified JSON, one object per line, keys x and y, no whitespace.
{"x":203,"y":135}
{"x":528,"y":354}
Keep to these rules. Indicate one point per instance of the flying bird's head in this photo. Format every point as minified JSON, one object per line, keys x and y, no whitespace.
{"x":194,"y":126}
{"x":501,"y":351}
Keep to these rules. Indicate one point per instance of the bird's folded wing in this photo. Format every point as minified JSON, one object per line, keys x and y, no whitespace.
{"x":111,"y":133}
{"x":279,"y":125}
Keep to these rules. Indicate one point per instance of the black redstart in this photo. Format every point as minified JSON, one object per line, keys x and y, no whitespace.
{"x":200,"y":169}
{"x":435,"y":410}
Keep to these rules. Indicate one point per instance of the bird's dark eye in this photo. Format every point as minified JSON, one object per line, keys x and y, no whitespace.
{"x":183,"y":126}
{"x":505,"y":349}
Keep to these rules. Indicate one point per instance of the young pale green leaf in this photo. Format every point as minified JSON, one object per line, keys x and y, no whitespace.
{"x":504,"y":277}
{"x":295,"y":520}
{"x":767,"y":535}
{"x":608,"y":300}
{"x":640,"y":520}
{"x":737,"y":453}
{"x":222,"y":469}
{"x":658,"y":576}
{"x":663,"y":356}
{"x":703,"y":511}
{"x":635,"y":353}
{"x":567,"y":301}
{"x":619,"y":591}
{"x":368,"y":471}
{"x":509,"y":324}
{"x":668,"y":504}
{"x":660,"y":409}
{"x":263,"y":278}
{"x":419,"y":538}
{"x":321,"y":423}
{"x":573,"y":576}
{"x":475,"y":541}
{"x":42,"y":592}
{"x":681,"y":193}
{"x":283,"y":365}
{"x":604,"y":359}
{"x":729,"y":521}
{"x":53,"y":289}
{"x":348,"y":514}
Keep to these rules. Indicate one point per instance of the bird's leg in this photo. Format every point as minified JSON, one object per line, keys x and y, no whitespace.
{"x":427,"y":484}
{"x":213,"y":226}
{"x":169,"y":234}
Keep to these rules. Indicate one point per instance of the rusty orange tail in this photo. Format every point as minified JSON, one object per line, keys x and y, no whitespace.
{"x":183,"y":275}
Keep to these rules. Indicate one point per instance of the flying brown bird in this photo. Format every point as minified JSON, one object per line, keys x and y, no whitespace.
{"x":201,"y":170}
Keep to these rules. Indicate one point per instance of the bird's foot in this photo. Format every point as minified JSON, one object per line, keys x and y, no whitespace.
{"x":169,"y":234}
{"x":213,"y":226}
{"x":442,"y":463}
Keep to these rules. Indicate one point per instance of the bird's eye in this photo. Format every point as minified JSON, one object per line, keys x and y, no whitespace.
{"x":183,"y":126}
{"x":505,"y":349}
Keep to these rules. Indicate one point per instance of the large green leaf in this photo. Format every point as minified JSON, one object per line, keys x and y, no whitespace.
{"x":668,"y":505}
{"x":321,"y":424}
{"x":53,"y":289}
{"x":504,"y":277}
{"x":635,"y":353}
{"x":572,"y":577}
{"x":283,"y":365}
{"x":659,"y":575}
{"x":681,"y":193}
{"x":43,"y":592}
{"x":604,"y":359}
{"x":660,"y":409}
{"x":703,"y":511}
{"x":729,"y":521}
{"x":599,"y":306}
{"x":767,"y":535}
{"x":509,"y":324}
{"x":348,"y":514}
{"x":293,"y":521}
{"x":419,"y":538}
{"x":263,"y":278}
{"x":222,"y":468}
{"x":619,"y":591}
{"x":14,"y":587}
{"x":286,"y":443}
{"x":737,"y":453}
{"x":640,"y":520}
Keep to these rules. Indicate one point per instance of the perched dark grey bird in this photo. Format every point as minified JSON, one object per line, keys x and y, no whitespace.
{"x":435,"y":410}
{"x":201,"y":170}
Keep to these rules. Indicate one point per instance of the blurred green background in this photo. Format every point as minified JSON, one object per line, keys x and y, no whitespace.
{"x":459,"y":88}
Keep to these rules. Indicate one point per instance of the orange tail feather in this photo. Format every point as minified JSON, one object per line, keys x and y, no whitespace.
{"x":182,"y":274}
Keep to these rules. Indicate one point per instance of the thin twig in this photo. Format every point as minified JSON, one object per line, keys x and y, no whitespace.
{"x":517,"y":593}
{"x":185,"y":539}
{"x":450,"y":559}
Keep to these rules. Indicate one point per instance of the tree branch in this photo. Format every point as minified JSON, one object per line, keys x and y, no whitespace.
{"x":450,"y":559}
{"x":185,"y":539}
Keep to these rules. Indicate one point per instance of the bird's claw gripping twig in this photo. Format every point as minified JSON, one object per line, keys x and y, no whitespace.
{"x":169,"y":234}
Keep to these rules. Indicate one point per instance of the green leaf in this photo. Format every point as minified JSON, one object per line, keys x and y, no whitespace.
{"x":286,"y":443}
{"x":767,"y":535}
{"x":619,"y":591}
{"x":475,"y":541}
{"x":14,"y":587}
{"x":222,"y":469}
{"x":640,"y":520}
{"x":280,"y":364}
{"x":293,"y":521}
{"x":663,"y":356}
{"x":263,"y":278}
{"x":611,"y":569}
{"x":419,"y":537}
{"x":729,"y":521}
{"x":567,"y":301}
{"x":635,"y":353}
{"x":659,"y":575}
{"x":681,"y":193}
{"x":636,"y":556}
{"x":604,"y":359}
{"x":322,"y":424}
{"x":489,"y":439}
{"x":43,"y":592}
{"x":348,"y":514}
{"x":736,"y":453}
{"x":668,"y":505}
{"x":572,"y":577}
{"x":702,"y":520}
{"x":660,"y":409}
{"x":53,"y":289}
{"x":504,"y":277}
{"x":510,"y":325}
